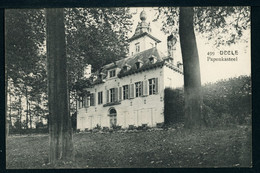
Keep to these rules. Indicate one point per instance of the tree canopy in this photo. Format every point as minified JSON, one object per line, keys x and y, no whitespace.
{"x":223,"y":25}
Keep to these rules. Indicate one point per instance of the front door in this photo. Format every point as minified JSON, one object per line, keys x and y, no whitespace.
{"x":112,"y":117}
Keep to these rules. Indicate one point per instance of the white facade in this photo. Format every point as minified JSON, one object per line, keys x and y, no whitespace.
{"x":137,"y":111}
{"x":143,"y":106}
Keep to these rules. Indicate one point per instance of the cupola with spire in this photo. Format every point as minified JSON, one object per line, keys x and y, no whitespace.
{"x":142,"y":38}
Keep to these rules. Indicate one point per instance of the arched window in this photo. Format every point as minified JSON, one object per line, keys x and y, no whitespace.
{"x":112,"y":111}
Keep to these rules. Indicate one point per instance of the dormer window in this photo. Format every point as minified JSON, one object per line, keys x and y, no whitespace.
{"x":137,"y":47}
{"x":102,"y":75}
{"x":126,"y":67}
{"x":152,"y":59}
{"x":138,"y":64}
{"x":112,"y":73}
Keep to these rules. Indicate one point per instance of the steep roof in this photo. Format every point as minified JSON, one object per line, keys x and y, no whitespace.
{"x":141,"y":56}
{"x":136,"y":36}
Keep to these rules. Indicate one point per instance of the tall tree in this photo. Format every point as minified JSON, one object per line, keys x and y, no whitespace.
{"x":192,"y":81}
{"x":225,"y":25}
{"x":60,"y":131}
{"x":24,"y":39}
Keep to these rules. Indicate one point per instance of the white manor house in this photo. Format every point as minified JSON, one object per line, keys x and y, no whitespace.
{"x":130,"y":91}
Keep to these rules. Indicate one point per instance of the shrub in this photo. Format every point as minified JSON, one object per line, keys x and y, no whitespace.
{"x":173,"y":106}
{"x":132,"y":127}
{"x":139,"y":128}
{"x":224,"y":102}
{"x":29,"y":131}
{"x":105,"y":129}
{"x":159,"y":125}
{"x":98,"y":127}
{"x":145,"y":127}
{"x":230,"y":100}
{"x":116,"y":127}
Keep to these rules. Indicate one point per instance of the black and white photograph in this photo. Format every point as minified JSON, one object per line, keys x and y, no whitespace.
{"x":128,"y":87}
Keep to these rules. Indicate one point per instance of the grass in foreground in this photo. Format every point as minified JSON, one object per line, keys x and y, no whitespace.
{"x":229,"y":147}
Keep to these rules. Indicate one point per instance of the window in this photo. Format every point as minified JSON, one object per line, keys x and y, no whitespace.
{"x":112,"y":95}
{"x":125,"y":92}
{"x":112,"y":73}
{"x":92,"y":99}
{"x":152,"y":86}
{"x":137,"y":47}
{"x":138,"y":65}
{"x":125,"y":68}
{"x":81,"y":102}
{"x":138,"y":89}
{"x":100,"y":97}
{"x":151,"y":59}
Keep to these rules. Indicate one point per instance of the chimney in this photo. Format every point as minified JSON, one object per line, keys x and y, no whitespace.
{"x":87,"y":71}
{"x":171,"y":45}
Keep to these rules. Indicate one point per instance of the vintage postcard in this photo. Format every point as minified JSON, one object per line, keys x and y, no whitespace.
{"x":127,"y":87}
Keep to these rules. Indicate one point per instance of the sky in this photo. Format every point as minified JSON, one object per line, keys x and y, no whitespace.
{"x":210,"y":71}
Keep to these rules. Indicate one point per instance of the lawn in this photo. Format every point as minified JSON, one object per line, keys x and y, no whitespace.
{"x":229,"y":147}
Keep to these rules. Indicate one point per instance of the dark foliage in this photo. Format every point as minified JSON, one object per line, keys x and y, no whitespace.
{"x":44,"y":130}
{"x":230,"y":100}
{"x":224,"y":102}
{"x":173,"y":106}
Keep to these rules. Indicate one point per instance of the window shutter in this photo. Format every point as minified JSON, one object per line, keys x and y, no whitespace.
{"x":156,"y":85}
{"x":132,"y":90}
{"x":101,"y":97}
{"x":142,"y":88}
{"x":94,"y":99}
{"x":120,"y":93}
{"x":84,"y":102}
{"x":107,"y":96}
{"x":145,"y":88}
{"x":116,"y":94}
{"x":129,"y":91}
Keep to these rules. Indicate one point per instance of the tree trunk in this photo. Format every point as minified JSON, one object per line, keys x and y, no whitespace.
{"x":192,"y":82}
{"x":30,"y":115}
{"x":10,"y":111}
{"x":6,"y":122}
{"x":20,"y":113}
{"x":60,"y":132}
{"x":27,"y":107}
